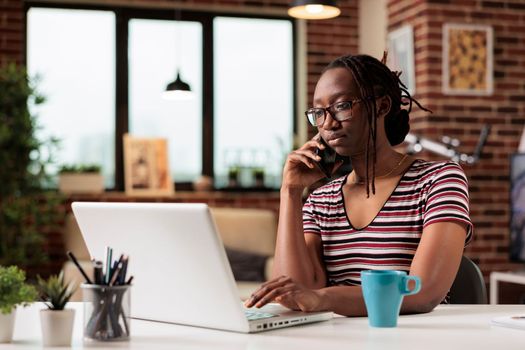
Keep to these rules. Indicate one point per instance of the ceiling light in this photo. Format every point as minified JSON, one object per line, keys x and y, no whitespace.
{"x":314,"y":9}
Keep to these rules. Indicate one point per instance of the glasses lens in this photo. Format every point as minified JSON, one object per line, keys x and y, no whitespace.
{"x":342,"y":110}
{"x":315,"y":116}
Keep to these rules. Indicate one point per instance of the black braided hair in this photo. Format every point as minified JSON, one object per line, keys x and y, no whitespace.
{"x":375,"y":79}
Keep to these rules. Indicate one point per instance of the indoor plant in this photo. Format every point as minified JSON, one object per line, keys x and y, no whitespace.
{"x":56,"y":320}
{"x":27,"y":209}
{"x":80,"y":179}
{"x":13,"y":291}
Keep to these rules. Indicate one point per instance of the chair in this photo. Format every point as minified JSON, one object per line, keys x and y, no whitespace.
{"x":469,"y":285}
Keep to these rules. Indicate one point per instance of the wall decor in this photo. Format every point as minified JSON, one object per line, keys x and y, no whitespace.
{"x":146,"y":170}
{"x":401,"y":55}
{"x":467,"y":59}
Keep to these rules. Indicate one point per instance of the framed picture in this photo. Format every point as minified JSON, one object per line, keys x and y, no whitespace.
{"x":401,"y":55}
{"x":146,"y":170}
{"x":467,"y":59}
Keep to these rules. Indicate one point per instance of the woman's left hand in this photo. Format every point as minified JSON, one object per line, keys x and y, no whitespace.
{"x":286,"y":292}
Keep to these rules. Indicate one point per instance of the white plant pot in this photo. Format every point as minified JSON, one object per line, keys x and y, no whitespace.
{"x":81,"y":183}
{"x":7,"y":326}
{"x":57,"y":327}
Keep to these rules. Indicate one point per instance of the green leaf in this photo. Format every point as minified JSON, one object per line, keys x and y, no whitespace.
{"x":55,"y":292}
{"x":13,"y":289}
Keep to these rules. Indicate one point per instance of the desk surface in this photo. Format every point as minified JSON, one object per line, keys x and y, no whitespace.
{"x":447,"y":327}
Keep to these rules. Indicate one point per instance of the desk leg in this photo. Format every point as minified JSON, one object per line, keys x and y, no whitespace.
{"x":493,"y":290}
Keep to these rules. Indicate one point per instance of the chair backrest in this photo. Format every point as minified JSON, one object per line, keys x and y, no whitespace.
{"x":469,"y":285}
{"x":247,"y":229}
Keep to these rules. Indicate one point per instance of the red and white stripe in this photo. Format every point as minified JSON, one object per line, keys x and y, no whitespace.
{"x":427,"y":193}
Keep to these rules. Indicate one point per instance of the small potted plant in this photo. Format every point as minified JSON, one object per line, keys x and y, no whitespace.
{"x":233,"y":176}
{"x":81,"y":179}
{"x":13,"y":291}
{"x":258,"y":177}
{"x":56,"y":320}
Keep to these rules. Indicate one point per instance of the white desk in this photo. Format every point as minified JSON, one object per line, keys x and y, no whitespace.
{"x":446,"y":328}
{"x":511,"y":276}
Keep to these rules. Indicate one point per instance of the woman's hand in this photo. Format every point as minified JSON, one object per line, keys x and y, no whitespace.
{"x":287,"y":293}
{"x":300,"y":170}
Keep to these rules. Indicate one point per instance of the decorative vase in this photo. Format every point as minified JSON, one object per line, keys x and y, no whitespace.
{"x":81,"y":183}
{"x":7,"y":326}
{"x":57,"y":326}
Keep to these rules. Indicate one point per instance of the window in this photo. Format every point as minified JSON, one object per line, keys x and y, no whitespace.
{"x":253,"y":91}
{"x":104,"y":76}
{"x":152,"y":65}
{"x":79,"y":85}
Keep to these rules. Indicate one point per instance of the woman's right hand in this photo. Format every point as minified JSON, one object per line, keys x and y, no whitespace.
{"x":300,"y":170}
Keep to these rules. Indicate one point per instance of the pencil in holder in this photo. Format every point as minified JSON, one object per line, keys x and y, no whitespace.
{"x":106,"y":312}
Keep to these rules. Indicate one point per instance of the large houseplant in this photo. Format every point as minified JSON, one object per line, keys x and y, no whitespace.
{"x":26,"y":208}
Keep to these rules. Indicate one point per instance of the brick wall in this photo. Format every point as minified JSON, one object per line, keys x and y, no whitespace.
{"x":12,"y":24}
{"x":463,"y":116}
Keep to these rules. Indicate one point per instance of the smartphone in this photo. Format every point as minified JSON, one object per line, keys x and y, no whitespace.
{"x":328,"y":159}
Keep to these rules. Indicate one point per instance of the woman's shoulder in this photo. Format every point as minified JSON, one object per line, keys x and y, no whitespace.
{"x":424,"y":169}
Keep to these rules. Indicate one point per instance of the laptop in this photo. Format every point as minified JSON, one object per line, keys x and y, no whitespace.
{"x":179,"y":265}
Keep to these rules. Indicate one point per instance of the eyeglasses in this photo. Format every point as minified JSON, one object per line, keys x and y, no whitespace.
{"x":340,"y":111}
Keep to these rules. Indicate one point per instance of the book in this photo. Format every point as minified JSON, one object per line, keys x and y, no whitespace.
{"x":517,"y":322}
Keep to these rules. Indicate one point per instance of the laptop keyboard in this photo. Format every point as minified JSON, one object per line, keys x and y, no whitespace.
{"x":257,"y":315}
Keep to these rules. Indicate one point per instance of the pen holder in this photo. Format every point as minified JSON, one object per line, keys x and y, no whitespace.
{"x":106,"y":312}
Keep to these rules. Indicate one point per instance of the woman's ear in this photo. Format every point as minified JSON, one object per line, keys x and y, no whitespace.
{"x":383,"y":105}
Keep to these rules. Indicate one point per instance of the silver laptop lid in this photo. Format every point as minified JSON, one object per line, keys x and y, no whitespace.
{"x":181,"y":272}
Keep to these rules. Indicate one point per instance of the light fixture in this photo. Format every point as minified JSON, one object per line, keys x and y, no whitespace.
{"x":178,"y":89}
{"x":314,"y":9}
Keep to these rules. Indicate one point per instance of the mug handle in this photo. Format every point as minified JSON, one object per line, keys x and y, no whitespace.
{"x":417,"y":287}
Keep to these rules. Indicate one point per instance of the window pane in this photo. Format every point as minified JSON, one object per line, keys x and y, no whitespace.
{"x":156,"y":50}
{"x":73,"y":51}
{"x":253,"y":91}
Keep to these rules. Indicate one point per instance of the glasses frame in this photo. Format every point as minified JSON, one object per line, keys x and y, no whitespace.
{"x":332,"y":113}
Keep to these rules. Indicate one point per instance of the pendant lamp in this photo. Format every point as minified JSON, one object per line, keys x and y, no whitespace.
{"x":178,"y":89}
{"x":314,"y":9}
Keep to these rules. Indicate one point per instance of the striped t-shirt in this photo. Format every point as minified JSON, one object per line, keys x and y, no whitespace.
{"x":427,"y":193}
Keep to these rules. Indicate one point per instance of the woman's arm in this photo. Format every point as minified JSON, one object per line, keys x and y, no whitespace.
{"x":296,"y":255}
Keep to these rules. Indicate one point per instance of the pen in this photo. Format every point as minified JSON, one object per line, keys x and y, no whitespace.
{"x":122,"y":278}
{"x":130,"y":279}
{"x":108,"y":258}
{"x":112,"y":270}
{"x":75,"y":261}
{"x":115,"y":274}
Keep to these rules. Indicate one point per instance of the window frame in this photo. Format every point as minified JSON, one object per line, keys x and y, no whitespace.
{"x":122,"y":17}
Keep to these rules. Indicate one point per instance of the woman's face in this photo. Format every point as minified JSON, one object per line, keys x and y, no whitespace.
{"x":347,"y":137}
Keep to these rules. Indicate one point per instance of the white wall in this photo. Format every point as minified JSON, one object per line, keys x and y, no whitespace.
{"x":372,"y":27}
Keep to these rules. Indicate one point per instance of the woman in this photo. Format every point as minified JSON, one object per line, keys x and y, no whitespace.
{"x":391,"y":212}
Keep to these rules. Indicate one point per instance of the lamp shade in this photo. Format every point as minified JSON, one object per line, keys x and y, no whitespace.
{"x":314,"y":9}
{"x":177,"y":90}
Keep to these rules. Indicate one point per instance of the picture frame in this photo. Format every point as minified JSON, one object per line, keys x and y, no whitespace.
{"x":400,"y":45}
{"x":467,"y":59}
{"x":146,"y":169}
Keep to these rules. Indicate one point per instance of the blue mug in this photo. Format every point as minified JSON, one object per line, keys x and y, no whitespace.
{"x":383,"y":291}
